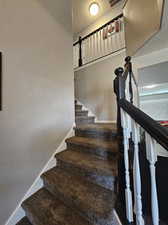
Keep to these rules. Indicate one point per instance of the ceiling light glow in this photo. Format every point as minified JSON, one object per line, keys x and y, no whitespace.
{"x":94,"y":9}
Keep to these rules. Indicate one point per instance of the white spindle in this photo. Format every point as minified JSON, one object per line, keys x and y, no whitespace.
{"x":94,"y":46}
{"x":127,"y":92}
{"x":89,"y":49}
{"x":152,"y":158}
{"x":128,"y":193}
{"x":137,"y":175}
{"x":97,"y":44}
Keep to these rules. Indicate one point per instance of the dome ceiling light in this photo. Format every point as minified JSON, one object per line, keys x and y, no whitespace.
{"x":94,"y":8}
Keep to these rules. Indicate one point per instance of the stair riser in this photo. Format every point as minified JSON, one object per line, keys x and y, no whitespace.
{"x":24,"y":221}
{"x":72,"y":203}
{"x":78,"y":107}
{"x":95,"y":134}
{"x":84,"y":121}
{"x":81,"y":113}
{"x":105,"y":181}
{"x":97,"y":151}
{"x":32,"y":217}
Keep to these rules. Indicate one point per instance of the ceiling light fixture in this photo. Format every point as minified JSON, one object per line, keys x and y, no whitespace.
{"x":94,"y":8}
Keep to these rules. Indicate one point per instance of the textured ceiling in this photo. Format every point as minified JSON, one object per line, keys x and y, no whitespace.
{"x":81,"y":16}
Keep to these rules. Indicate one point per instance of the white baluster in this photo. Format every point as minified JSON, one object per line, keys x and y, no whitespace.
{"x":111,"y":41}
{"x":101,"y":40}
{"x":93,"y":46}
{"x":152,"y":158}
{"x":89,"y":49}
{"x":97,"y":44}
{"x":128,"y":193}
{"x":127,"y":92}
{"x":137,"y":175}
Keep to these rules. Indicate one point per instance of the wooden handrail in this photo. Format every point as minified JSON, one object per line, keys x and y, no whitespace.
{"x":158,"y":132}
{"x":100,"y":28}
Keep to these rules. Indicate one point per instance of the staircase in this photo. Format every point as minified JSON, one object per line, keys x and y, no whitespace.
{"x":80,"y":190}
{"x":81,"y":116}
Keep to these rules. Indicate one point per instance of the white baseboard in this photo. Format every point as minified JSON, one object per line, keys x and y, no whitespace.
{"x":90,"y":113}
{"x":117,"y":220}
{"x":18,"y":213}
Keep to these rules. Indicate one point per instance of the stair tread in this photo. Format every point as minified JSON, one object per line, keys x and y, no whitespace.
{"x":111,"y":146}
{"x":89,"y":162}
{"x":79,"y":110}
{"x":98,"y":127}
{"x":24,"y":221}
{"x":85,"y":117}
{"x":45,"y":209}
{"x":86,"y":196}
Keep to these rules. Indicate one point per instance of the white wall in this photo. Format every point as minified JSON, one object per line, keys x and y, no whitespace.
{"x":94,"y":87}
{"x":38,"y":92}
{"x":159,"y":41}
{"x":155,"y":74}
{"x":155,"y":106}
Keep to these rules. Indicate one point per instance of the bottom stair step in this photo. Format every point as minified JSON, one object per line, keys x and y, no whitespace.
{"x":93,"y":202}
{"x":43,"y":208}
{"x":24,"y":221}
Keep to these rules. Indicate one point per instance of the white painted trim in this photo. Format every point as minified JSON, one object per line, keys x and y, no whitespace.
{"x":151,"y":58}
{"x":105,"y":121}
{"x":18,"y":213}
{"x":101,"y":59}
{"x":117,"y":219}
{"x":90,"y":113}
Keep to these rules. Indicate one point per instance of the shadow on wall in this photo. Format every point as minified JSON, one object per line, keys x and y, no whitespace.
{"x":94,"y":87}
{"x":96,"y":96}
{"x":55,"y":10}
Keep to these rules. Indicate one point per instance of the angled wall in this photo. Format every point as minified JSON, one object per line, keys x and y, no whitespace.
{"x":142,"y":21}
{"x":38,"y":95}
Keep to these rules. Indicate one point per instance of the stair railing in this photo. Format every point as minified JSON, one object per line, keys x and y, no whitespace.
{"x":104,"y":41}
{"x":130,"y":121}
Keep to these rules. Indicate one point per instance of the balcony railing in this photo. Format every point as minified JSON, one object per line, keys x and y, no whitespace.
{"x":104,"y":41}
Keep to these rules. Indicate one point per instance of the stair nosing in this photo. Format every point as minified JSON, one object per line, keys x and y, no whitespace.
{"x":106,"y":172}
{"x":90,"y":145}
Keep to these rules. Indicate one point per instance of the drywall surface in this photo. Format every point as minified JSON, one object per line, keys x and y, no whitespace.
{"x":155,"y":106}
{"x":155,"y":74}
{"x":142,"y":21}
{"x":94,"y":87}
{"x":38,"y":91}
{"x":158,"y":41}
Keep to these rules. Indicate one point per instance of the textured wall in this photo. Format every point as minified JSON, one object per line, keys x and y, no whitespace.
{"x":94,"y":87}
{"x":38,"y":91}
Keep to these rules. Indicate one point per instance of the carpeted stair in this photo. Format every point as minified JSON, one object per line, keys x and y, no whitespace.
{"x":81,"y":116}
{"x":81,"y":189}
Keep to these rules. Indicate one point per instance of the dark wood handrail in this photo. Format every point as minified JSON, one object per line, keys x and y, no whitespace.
{"x":158,"y":132}
{"x":100,"y":28}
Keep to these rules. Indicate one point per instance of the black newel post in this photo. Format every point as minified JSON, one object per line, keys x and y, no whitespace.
{"x":118,"y":89}
{"x":80,"y":52}
{"x":129,"y":66}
